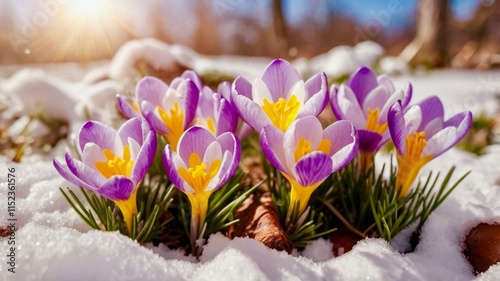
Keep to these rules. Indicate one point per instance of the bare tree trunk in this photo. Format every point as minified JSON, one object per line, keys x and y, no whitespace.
{"x":479,"y":48}
{"x":207,"y":39}
{"x":282,"y":44}
{"x":431,"y":40}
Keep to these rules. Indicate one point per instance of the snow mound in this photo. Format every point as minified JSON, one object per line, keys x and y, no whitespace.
{"x":162,"y":56}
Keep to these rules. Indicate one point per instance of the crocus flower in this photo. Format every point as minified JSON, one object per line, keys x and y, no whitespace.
{"x":365,"y":100}
{"x":421,"y":134}
{"x":215,"y":113}
{"x":306,"y":154}
{"x":224,"y":89}
{"x":200,"y":165}
{"x":169,"y":109}
{"x":279,"y":97}
{"x":113,"y":163}
{"x":128,"y":106}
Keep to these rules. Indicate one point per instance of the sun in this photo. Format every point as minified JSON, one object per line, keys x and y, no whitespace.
{"x":87,"y":30}
{"x":88,"y":7}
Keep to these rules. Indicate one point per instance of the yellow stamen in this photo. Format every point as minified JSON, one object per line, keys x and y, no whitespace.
{"x":410,"y":164}
{"x":197,"y":175}
{"x":282,"y":113}
{"x":174,"y":120}
{"x":304,"y":147}
{"x":128,"y":208}
{"x":207,"y":123}
{"x":116,"y":165}
{"x":372,"y":122}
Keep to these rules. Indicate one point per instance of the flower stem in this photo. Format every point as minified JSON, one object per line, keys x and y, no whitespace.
{"x":199,"y":207}
{"x":128,"y":208}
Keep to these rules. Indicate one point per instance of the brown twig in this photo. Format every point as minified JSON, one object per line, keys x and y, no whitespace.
{"x":342,"y":219}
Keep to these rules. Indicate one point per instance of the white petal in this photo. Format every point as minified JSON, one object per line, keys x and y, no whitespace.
{"x":213,"y":152}
{"x":433,"y":127}
{"x":299,"y":90}
{"x":413,"y":118}
{"x":442,"y":140}
{"x":376,"y":98}
{"x":350,"y":107}
{"x":398,"y":95}
{"x":92,"y":153}
{"x":261,"y":92}
{"x":134,"y":148}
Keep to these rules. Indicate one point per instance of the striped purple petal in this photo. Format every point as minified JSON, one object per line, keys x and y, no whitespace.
{"x":250,"y":112}
{"x":344,"y":143}
{"x":432,"y":108}
{"x":195,"y":140}
{"x":280,"y":76}
{"x":193,"y":76}
{"x":455,"y":129}
{"x":125,"y":107}
{"x":117,"y":188}
{"x":146,"y":153}
{"x":316,"y":96}
{"x":317,"y":83}
{"x":271,"y":141}
{"x":362,"y":82}
{"x":84,"y":172}
{"x":241,"y":86}
{"x":206,"y":103}
{"x":151,"y":89}
{"x":369,"y":142}
{"x":149,"y":112}
{"x":313,"y":168}
{"x":227,"y":121}
{"x":408,"y":92}
{"x":64,"y":171}
{"x":192,"y":94}
{"x":232,"y":153}
{"x":344,"y":103}
{"x":224,"y":89}
{"x":97,"y":133}
{"x":397,"y":127}
{"x":170,"y":168}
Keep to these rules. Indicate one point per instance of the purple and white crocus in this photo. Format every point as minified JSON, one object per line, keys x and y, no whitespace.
{"x":279,"y":97}
{"x":421,"y":134}
{"x":306,"y":154}
{"x":365,"y":101}
{"x":169,"y":109}
{"x":113,"y":162}
{"x":201,"y":164}
{"x":214,"y":112}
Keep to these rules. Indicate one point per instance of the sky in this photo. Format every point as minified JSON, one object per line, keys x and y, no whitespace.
{"x":363,"y":11}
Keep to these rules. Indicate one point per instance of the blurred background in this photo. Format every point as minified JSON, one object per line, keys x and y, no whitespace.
{"x":457,"y":33}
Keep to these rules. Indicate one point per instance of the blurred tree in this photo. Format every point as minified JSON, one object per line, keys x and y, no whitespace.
{"x":282,"y":44}
{"x":430,"y":44}
{"x":479,"y":43}
{"x":206,"y":35}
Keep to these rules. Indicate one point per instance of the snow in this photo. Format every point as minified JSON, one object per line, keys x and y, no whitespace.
{"x":54,"y":244}
{"x":162,"y":56}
